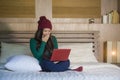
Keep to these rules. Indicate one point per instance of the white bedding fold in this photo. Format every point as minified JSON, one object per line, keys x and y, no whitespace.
{"x":91,"y":71}
{"x":68,"y":75}
{"x":92,"y":65}
{"x":99,"y":71}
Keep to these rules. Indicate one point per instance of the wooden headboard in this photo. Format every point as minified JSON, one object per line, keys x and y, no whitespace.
{"x":62,"y":37}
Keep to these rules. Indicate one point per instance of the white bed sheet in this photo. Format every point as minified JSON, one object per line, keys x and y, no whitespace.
{"x":99,"y":71}
{"x":91,"y":71}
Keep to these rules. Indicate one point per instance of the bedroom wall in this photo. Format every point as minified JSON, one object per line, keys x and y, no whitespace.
{"x":44,"y":7}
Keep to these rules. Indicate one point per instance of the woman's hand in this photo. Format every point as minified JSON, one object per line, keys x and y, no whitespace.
{"x":45,"y":38}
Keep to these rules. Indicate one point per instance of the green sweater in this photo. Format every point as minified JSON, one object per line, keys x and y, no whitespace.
{"x":38,"y":53}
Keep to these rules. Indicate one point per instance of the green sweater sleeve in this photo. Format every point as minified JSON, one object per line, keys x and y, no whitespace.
{"x":37,"y":53}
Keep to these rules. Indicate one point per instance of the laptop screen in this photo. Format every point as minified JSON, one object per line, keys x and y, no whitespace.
{"x":60,"y":54}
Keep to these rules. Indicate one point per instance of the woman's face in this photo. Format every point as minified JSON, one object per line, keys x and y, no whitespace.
{"x":46,"y":31}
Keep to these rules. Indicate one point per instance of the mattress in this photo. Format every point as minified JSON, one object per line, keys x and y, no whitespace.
{"x":91,"y":71}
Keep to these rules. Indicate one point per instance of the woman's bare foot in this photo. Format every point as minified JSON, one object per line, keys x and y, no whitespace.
{"x":78,"y":69}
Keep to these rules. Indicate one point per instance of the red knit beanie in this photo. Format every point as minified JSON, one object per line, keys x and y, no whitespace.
{"x":44,"y":23}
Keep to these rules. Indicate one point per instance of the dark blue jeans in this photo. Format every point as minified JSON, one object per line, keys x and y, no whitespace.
{"x":50,"y":66}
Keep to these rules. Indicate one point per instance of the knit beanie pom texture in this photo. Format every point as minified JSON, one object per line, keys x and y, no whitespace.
{"x":44,"y":23}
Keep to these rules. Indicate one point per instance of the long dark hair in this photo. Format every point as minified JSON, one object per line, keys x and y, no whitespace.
{"x":38,"y":37}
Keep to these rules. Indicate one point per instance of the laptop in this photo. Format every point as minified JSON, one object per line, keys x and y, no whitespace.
{"x":60,"y":54}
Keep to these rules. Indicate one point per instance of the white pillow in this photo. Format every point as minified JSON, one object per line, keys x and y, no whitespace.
{"x":23,"y":63}
{"x":8,"y":50}
{"x":80,"y":52}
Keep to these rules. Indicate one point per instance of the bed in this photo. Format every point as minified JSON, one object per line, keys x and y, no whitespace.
{"x":84,"y":52}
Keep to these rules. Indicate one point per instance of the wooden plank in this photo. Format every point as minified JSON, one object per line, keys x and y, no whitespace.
{"x":17,"y":8}
{"x":75,"y":3}
{"x":76,"y":8}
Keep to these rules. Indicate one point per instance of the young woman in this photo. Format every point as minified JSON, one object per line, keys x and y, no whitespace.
{"x":42,"y":46}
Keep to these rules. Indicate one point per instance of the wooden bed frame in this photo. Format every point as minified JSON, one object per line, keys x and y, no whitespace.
{"x":23,"y":37}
